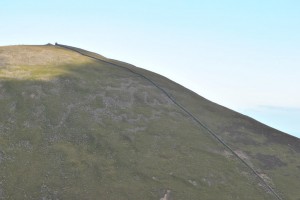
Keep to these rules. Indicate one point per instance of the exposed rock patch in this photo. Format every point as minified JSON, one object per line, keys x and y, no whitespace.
{"x":167,"y":195}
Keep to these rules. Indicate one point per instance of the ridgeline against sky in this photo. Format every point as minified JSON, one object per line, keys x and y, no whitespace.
{"x":241,"y":54}
{"x":77,"y":125}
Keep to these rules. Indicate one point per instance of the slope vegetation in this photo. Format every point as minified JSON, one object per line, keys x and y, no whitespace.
{"x":74,"y":127}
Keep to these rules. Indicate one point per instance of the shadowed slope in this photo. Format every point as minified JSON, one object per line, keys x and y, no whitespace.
{"x":95,"y":131}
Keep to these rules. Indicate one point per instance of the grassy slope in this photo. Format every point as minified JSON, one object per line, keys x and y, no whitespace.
{"x":75,"y":128}
{"x":275,"y":155}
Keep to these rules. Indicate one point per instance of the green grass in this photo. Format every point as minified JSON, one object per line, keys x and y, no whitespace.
{"x":75,"y":128}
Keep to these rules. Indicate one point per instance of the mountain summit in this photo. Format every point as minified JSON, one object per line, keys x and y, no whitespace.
{"x":77,"y":125}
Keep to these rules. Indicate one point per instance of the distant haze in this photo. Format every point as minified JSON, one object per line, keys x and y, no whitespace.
{"x":240,"y":54}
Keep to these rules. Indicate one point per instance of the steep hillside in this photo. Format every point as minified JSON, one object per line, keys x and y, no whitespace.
{"x":75,"y":127}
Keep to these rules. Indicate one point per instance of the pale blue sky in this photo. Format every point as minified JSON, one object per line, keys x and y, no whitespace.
{"x":244,"y":55}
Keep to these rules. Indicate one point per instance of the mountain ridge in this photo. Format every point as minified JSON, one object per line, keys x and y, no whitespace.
{"x":190,"y":114}
{"x":207,"y":110}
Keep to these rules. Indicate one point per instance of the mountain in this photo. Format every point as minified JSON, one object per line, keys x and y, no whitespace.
{"x":77,"y":125}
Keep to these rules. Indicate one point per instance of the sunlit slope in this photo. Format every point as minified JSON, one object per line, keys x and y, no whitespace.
{"x":72,"y":127}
